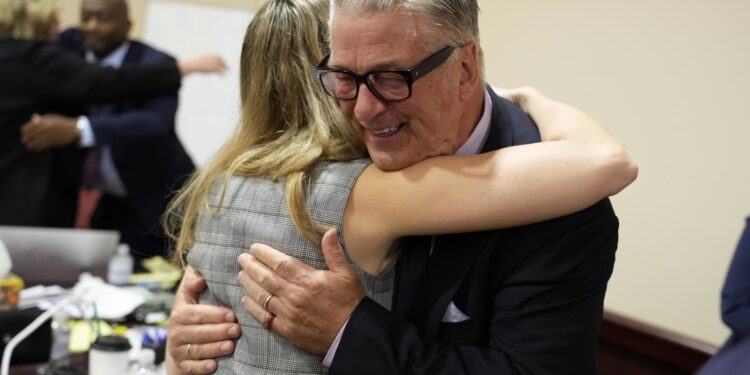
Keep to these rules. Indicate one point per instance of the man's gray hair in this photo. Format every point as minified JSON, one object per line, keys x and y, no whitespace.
{"x":453,"y":22}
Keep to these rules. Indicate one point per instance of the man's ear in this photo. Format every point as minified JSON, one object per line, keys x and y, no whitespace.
{"x":470,"y":74}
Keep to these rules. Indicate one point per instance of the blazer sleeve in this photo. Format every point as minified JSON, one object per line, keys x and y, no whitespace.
{"x":735,"y":296}
{"x":153,"y":118}
{"x":543,"y":316}
{"x":62,"y":76}
{"x":376,"y":342}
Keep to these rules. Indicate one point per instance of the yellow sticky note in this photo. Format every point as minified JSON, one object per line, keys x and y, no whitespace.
{"x":83,"y":333}
{"x":161,"y":273}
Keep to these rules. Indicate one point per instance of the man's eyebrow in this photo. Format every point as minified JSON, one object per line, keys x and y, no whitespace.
{"x":381,"y":66}
{"x":102,"y":12}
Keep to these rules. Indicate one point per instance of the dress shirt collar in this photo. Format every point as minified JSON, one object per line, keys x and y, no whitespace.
{"x":478,"y":137}
{"x":113,"y":60}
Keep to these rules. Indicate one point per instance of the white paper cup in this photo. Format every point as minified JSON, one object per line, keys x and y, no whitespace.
{"x":109,"y":355}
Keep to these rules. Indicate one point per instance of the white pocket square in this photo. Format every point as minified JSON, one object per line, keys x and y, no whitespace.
{"x":454,"y":315}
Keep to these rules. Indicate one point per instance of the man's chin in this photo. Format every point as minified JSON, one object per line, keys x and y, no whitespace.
{"x":96,"y":48}
{"x":391,"y":163}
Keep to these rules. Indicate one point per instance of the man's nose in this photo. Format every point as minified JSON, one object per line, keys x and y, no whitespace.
{"x":90,"y":23}
{"x":367,"y":106}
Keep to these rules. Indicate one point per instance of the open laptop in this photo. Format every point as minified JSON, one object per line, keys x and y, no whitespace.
{"x":47,"y":256}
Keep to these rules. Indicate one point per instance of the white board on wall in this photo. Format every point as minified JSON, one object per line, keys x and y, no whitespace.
{"x":209,"y":104}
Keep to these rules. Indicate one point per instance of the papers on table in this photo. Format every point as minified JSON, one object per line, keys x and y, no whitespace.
{"x":111,"y":302}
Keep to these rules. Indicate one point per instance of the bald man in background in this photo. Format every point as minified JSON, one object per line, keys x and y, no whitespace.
{"x":135,"y":157}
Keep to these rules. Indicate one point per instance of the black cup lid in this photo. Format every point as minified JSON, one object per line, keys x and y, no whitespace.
{"x":111,"y":344}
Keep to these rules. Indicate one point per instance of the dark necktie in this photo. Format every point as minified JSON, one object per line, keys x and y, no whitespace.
{"x":89,"y":194}
{"x":90,"y":173}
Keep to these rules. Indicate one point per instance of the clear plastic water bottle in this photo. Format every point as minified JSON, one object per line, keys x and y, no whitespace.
{"x":144,"y":363}
{"x":60,"y":336}
{"x":120,"y":266}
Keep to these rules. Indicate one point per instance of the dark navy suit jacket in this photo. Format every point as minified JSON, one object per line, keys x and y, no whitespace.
{"x":533,"y":294}
{"x":735,"y":311}
{"x":40,"y":188}
{"x":149,"y":157}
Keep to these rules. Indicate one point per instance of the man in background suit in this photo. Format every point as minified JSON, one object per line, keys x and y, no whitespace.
{"x":135,"y":156}
{"x":524,"y":300}
{"x":735,"y":312}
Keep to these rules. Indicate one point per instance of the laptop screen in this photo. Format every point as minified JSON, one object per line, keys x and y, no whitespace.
{"x":47,"y":256}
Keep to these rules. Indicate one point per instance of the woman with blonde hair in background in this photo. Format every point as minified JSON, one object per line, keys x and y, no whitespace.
{"x":294,"y":168}
{"x":38,"y":77}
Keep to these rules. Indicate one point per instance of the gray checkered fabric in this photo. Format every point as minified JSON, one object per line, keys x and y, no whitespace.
{"x":255,"y":210}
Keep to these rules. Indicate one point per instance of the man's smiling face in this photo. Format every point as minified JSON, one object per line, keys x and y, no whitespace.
{"x":397,"y":134}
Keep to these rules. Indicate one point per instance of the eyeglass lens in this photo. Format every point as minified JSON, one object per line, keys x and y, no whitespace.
{"x":343,"y":85}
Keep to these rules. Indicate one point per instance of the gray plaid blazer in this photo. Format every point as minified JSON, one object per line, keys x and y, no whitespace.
{"x":255,"y":210}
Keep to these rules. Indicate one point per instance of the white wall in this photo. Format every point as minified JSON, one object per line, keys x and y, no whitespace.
{"x":669,"y":78}
{"x":209,"y":104}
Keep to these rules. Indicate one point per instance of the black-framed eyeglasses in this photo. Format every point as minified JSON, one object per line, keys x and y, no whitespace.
{"x":388,"y":85}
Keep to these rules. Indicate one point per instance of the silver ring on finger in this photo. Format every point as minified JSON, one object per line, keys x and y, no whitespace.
{"x":187,"y":351}
{"x":268,"y":299}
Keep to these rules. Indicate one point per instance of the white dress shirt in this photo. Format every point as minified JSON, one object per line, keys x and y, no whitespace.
{"x":109,"y":181}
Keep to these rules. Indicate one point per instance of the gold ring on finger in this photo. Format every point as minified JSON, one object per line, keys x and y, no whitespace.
{"x":265,"y":303}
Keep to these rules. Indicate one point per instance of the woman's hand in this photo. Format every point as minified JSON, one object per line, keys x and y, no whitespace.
{"x":198,"y":334}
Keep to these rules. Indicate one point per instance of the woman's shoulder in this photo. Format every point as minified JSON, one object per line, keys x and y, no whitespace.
{"x":12,"y":49}
{"x":326,"y":177}
{"x":327,"y":172}
{"x":35,"y":54}
{"x":241,"y":186}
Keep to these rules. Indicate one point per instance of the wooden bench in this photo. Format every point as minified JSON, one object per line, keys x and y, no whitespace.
{"x":629,"y":347}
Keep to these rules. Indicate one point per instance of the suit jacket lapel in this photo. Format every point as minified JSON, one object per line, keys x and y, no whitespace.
{"x":132,"y":57}
{"x":410,"y":271}
{"x":501,"y":132}
{"x":451,"y":259}
{"x":454,"y":255}
{"x":135,"y":53}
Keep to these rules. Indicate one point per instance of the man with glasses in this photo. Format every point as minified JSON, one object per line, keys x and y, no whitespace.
{"x":390,"y":85}
{"x":525,"y":300}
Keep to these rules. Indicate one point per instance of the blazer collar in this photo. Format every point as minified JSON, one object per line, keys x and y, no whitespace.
{"x":115,"y":58}
{"x":501,"y":129}
{"x":451,"y":260}
{"x":135,"y":53}
{"x":454,"y":255}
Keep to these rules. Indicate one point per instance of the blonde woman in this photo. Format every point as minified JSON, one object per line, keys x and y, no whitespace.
{"x":293,"y":169}
{"x":37,"y":76}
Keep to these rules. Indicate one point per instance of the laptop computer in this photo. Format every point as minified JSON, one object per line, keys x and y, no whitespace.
{"x":47,"y":256}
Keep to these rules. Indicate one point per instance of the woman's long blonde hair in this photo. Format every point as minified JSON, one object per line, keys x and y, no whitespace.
{"x":27,"y":19}
{"x":287,"y":122}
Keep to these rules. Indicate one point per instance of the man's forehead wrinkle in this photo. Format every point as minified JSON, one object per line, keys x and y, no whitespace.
{"x":118,"y":8}
{"x":409,"y":27}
